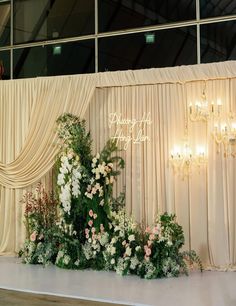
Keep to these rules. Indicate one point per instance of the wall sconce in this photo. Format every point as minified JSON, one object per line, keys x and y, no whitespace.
{"x":183,"y":161}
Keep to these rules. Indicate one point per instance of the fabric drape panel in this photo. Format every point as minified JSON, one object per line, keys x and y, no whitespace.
{"x":28,"y":110}
{"x":50,"y":98}
{"x":204,"y":203}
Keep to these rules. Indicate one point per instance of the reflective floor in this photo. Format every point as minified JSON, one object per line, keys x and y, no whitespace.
{"x":198,"y":289}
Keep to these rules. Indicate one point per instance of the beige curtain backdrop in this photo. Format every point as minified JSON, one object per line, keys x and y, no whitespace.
{"x":204,"y":203}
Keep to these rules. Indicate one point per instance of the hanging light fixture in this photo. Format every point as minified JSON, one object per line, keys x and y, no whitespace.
{"x":225,"y":135}
{"x":183,"y":159}
{"x":224,"y":132}
{"x":202,"y":110}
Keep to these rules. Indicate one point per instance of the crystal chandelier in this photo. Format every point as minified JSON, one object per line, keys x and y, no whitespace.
{"x":225,"y":136}
{"x":183,"y":160}
{"x":202,"y":110}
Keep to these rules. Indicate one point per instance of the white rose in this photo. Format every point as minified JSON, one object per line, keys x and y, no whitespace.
{"x":113,"y":250}
{"x":131,"y":238}
{"x":128,"y":251}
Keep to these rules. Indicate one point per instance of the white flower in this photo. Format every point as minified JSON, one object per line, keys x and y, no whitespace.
{"x":117,"y":228}
{"x":110,"y":165}
{"x":113,"y":250}
{"x":113,"y":240}
{"x":66,"y":259}
{"x":101,"y":202}
{"x":89,"y":195}
{"x":77,"y":262}
{"x":113,"y":261}
{"x":94,"y":160}
{"x":76,"y":173}
{"x":131,"y":238}
{"x":104,"y":239}
{"x":98,"y":156}
{"x":65,"y":197}
{"x":63,"y":159}
{"x":70,"y":155}
{"x":63,"y":170}
{"x":122,"y":233}
{"x":61,"y":179}
{"x":128,"y":251}
{"x":134,"y":262}
{"x":138,"y":248}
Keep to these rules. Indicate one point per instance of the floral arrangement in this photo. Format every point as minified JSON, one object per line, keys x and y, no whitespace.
{"x":40,"y":221}
{"x":85,"y":227}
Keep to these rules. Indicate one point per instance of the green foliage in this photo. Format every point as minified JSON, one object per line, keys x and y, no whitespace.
{"x":72,"y":134}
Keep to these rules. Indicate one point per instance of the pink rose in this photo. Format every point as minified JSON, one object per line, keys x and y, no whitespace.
{"x":91,"y":213}
{"x":152,"y":237}
{"x":149,"y":243}
{"x":148,"y":252}
{"x":87,"y":236}
{"x":147,"y":230}
{"x":155,"y":230}
{"x":90,"y":223}
{"x":86,"y":231}
{"x":146,"y":258}
{"x":33,"y":236}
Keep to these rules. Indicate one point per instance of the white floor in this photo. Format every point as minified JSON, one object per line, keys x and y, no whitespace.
{"x":198,"y":289}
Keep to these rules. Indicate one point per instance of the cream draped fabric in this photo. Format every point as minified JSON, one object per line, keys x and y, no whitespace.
{"x":204,"y":203}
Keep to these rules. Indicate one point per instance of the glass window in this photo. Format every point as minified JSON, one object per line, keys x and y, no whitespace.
{"x":58,"y":59}
{"x":116,"y":15}
{"x":145,"y":50}
{"x":212,"y":8}
{"x":218,"y":42}
{"x":5,"y":65}
{"x":5,"y":12}
{"x":50,"y":19}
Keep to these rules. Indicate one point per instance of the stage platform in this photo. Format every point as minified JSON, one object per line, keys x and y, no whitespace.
{"x":209,"y":288}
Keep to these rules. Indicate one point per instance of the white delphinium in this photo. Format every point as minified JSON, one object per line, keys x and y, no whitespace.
{"x":69,"y":179}
{"x":61,"y":179}
{"x":76,"y":176}
{"x":65,"y":197}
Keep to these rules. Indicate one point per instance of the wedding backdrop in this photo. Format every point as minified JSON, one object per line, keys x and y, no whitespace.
{"x":203,"y":201}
